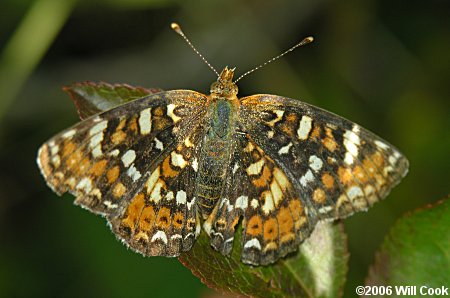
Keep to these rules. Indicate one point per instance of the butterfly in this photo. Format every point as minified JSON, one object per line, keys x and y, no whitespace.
{"x":165,"y":167}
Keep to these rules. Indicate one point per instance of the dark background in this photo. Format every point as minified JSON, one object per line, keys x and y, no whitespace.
{"x":383,"y":64}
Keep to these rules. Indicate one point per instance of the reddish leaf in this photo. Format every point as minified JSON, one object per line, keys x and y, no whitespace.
{"x":91,"y":98}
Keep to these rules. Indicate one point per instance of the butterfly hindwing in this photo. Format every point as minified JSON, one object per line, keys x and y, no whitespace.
{"x":115,"y":162}
{"x":274,"y":221}
{"x":336,"y":166}
{"x":163,"y":218}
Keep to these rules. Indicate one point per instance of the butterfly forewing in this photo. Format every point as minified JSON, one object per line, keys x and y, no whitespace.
{"x":116,"y":161}
{"x":335,"y":166}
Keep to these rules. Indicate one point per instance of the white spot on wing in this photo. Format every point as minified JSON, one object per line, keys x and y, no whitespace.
{"x":308,"y":177}
{"x":170,"y":108}
{"x":348,"y":159}
{"x":54,"y":149}
{"x":97,"y":151}
{"x":152,"y":180}
{"x":279,"y":114}
{"x":56,"y":161}
{"x":315,"y":163}
{"x":242,"y":202}
{"x":169,"y":196}
{"x":195,"y":164}
{"x":134,"y":173}
{"x":235,"y":168}
{"x":255,"y":168}
{"x":128,"y":157}
{"x":354,"y":192}
{"x":304,"y":127}
{"x":268,"y":202}
{"x":110,"y":205}
{"x":145,"y":121}
{"x":181,"y":197}
{"x":253,"y":243}
{"x":99,"y":127}
{"x":351,"y":143}
{"x":95,"y":140}
{"x":85,"y":184}
{"x":155,"y":196}
{"x":115,"y":152}
{"x":254,"y":203}
{"x":69,"y":134}
{"x":277,"y":194}
{"x":285,"y":149}
{"x":161,"y":236}
{"x":158,"y":144}
{"x":178,"y":160}
{"x":191,"y":203}
{"x":381,"y":144}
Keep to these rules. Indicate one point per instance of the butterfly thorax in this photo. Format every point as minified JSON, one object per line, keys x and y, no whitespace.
{"x":217,"y":143}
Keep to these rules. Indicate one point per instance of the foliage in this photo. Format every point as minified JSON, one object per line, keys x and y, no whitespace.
{"x":417,"y":250}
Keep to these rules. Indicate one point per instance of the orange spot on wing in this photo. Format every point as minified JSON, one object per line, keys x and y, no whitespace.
{"x":167,"y":170}
{"x":118,"y":190}
{"x":68,"y":149}
{"x":132,"y":125}
{"x":297,"y":213}
{"x":98,"y":168}
{"x":133,"y":211}
{"x":178,"y":219}
{"x":254,"y":226}
{"x":163,"y":218}
{"x":286,"y":223}
{"x":315,"y":134}
{"x":330,"y":144}
{"x":378,"y":159}
{"x":359,"y":173}
{"x":159,"y":111}
{"x":328,"y":180}
{"x":270,"y":230}
{"x":292,"y":118}
{"x":345,"y":176}
{"x":296,"y":208}
{"x":112,"y":174}
{"x":74,"y":160}
{"x":147,"y":218}
{"x":319,"y":196}
{"x":264,"y":179}
{"x":329,"y":141}
{"x":118,"y":137}
{"x":287,"y":128}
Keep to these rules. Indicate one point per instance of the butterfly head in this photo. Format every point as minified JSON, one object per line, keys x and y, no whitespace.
{"x":224,"y":86}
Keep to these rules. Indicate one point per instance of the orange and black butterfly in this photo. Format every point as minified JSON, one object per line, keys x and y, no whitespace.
{"x":164,"y":167}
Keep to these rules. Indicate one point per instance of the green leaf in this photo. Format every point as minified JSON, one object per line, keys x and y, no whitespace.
{"x":416,"y":251}
{"x":317,"y":270}
{"x":91,"y":98}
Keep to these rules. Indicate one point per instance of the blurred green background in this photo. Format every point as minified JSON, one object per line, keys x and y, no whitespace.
{"x":383,"y":64}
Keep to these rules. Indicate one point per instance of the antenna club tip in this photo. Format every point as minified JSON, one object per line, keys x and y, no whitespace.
{"x":309,"y":39}
{"x":176,"y":27}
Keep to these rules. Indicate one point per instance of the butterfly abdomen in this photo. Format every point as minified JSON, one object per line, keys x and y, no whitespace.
{"x":215,"y":156}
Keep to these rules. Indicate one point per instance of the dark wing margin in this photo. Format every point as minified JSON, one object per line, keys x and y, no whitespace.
{"x":127,"y":163}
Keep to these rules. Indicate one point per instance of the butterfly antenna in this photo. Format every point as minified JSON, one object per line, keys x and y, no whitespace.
{"x":177,"y":29}
{"x":301,"y":43}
